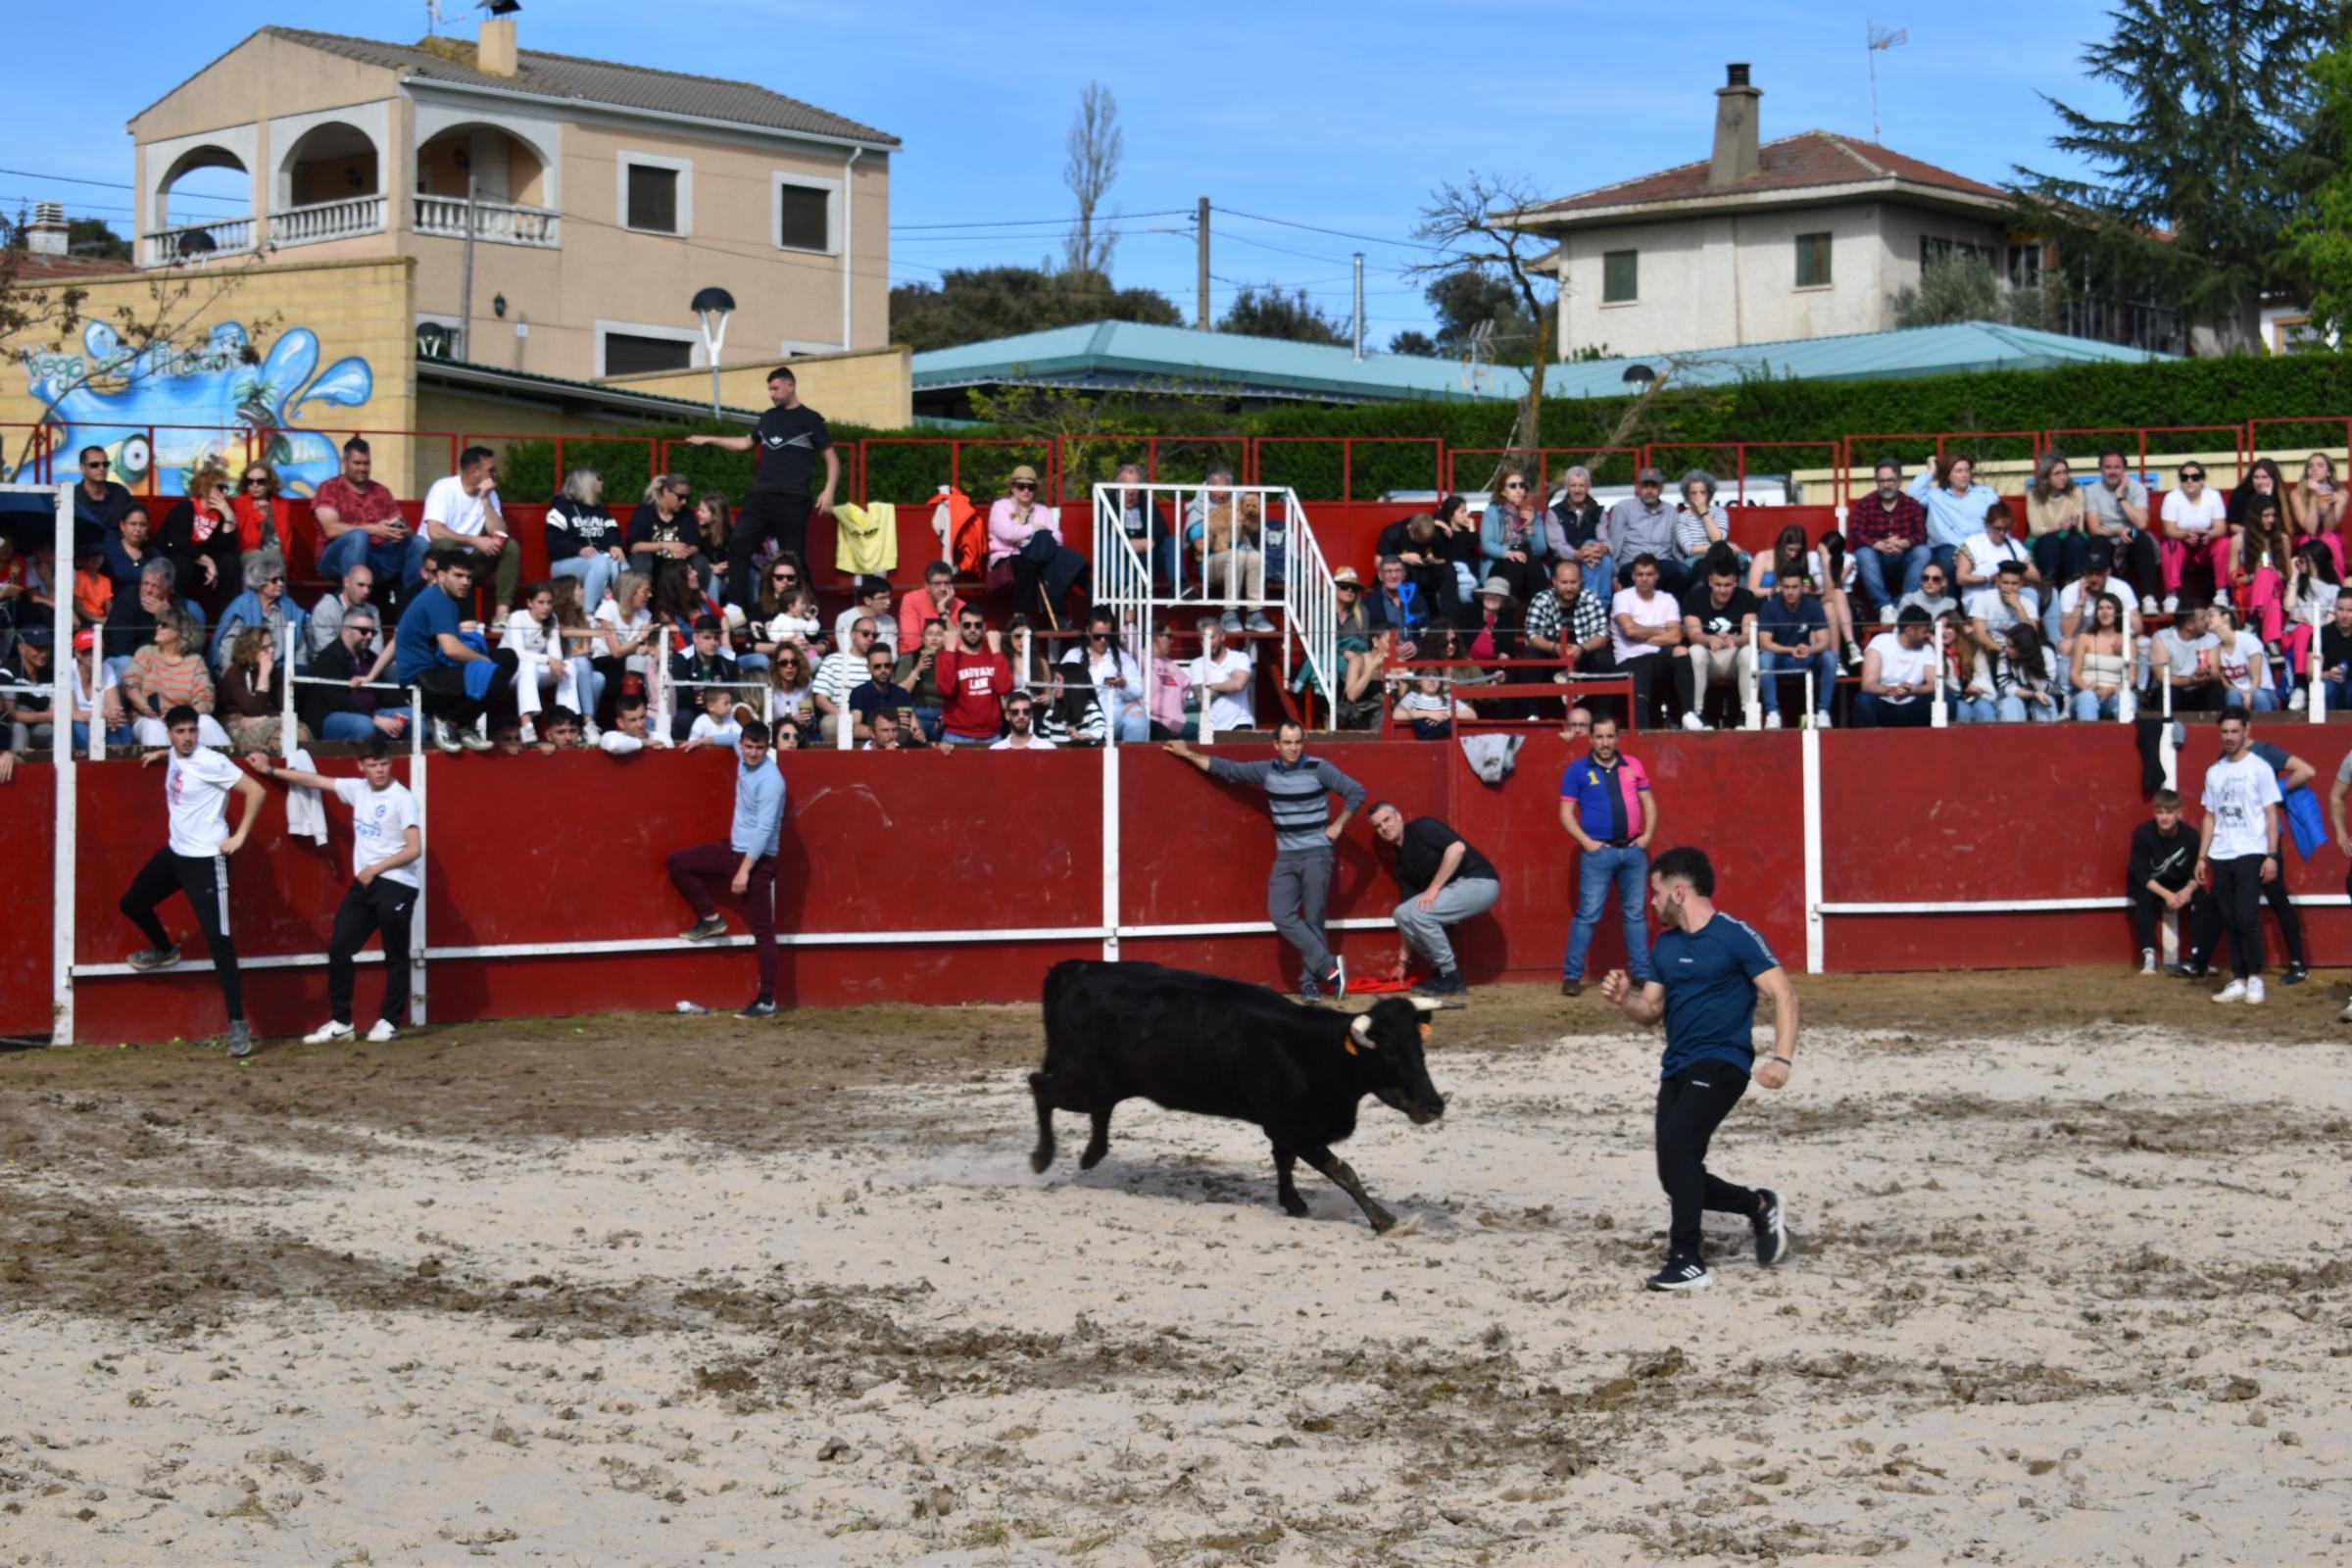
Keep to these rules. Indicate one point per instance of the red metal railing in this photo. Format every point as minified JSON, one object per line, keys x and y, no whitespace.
{"x":2116,"y":436}
{"x":1347,"y":445}
{"x":1879,"y":444}
{"x":1654,"y":454}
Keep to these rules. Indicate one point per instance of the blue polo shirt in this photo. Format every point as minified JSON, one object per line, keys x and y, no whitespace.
{"x":1710,"y":980}
{"x":417,"y":645}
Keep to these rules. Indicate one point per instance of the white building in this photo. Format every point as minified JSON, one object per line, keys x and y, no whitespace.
{"x":1808,"y":236}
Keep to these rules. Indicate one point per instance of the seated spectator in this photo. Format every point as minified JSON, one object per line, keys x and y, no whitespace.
{"x":1139,"y":525}
{"x":2245,"y":664}
{"x":360,"y":522}
{"x":1714,"y":648}
{"x":625,"y":624}
{"x":632,"y":729}
{"x":2184,"y":660}
{"x":1898,"y":675}
{"x":798,"y":624}
{"x":1827,"y":572}
{"x":2099,"y":657}
{"x":166,"y":673}
{"x":873,"y":598}
{"x":577,"y":641}
{"x":1227,"y":674}
{"x":2262,"y":562}
{"x":28,"y":718}
{"x":1512,"y":541}
{"x":433,"y":654}
{"x":704,"y":664}
{"x":199,"y":535}
{"x":1568,"y":622}
{"x":1396,"y":605}
{"x":1035,"y":672}
{"x":1888,"y":531}
{"x":1025,"y":549}
{"x":1792,"y":637}
{"x":584,"y":542}
{"x":1421,"y":544}
{"x":1956,"y":506}
{"x":2008,"y":603}
{"x":938,"y":602}
{"x":918,"y":675}
{"x":794,"y":686}
{"x":1647,"y":622}
{"x":1106,"y":680}
{"x":1644,"y":524}
{"x":2312,"y":590}
{"x":2315,"y":507}
{"x":1492,"y":627}
{"x":1428,"y":704}
{"x":261,"y":512}
{"x":878,"y":692}
{"x":1230,"y":549}
{"x":2066,"y":618}
{"x":1982,"y":557}
{"x":350,"y":712}
{"x":543,"y":674}
{"x":2116,"y":519}
{"x":784,"y":734}
{"x":2057,"y":516}
{"x":322,"y":628}
{"x":2335,"y":656}
{"x":1933,"y":598}
{"x":2263,"y":482}
{"x":462,"y":512}
{"x":717,"y":519}
{"x":1021,"y":727}
{"x":1216,"y":490}
{"x":2025,"y":684}
{"x":251,"y":695}
{"x":839,"y":673}
{"x":131,"y":619}
{"x":680,"y":599}
{"x":94,"y":589}
{"x":1170,"y":683}
{"x":125,"y":551}
{"x":718,"y":720}
{"x":264,"y":605}
{"x":2195,"y":533}
{"x":887,"y":734}
{"x":98,"y":501}
{"x":2163,"y":879}
{"x":1575,"y":528}
{"x":664,"y":534}
{"x":1699,"y":524}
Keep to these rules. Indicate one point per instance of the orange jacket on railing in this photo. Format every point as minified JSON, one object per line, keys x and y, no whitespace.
{"x":964,"y":528}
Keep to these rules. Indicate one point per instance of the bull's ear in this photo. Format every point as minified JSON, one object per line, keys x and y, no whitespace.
{"x":1425,"y":1029}
{"x":1360,"y":1032}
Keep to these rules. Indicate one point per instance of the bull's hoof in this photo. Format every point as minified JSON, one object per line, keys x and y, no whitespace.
{"x":1383,"y":1221}
{"x":1093,"y":1156}
{"x":1294,"y":1205}
{"x":1040,"y":1158}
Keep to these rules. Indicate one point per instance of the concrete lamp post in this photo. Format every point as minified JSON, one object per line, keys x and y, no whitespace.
{"x":712,"y":307}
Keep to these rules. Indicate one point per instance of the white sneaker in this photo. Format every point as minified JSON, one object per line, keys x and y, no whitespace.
{"x":381,"y":1031}
{"x":1772,"y":721}
{"x":2254,"y":991}
{"x":2147,"y":604}
{"x":2345,"y":1017}
{"x":1822,"y":721}
{"x":2234,"y":990}
{"x":2171,"y":604}
{"x":1886,"y":614}
{"x":477,"y":737}
{"x":2298,"y":700}
{"x":2147,"y":960}
{"x":589,"y":733}
{"x":1694,"y":724}
{"x":530,"y":733}
{"x":326,"y":1032}
{"x":444,"y":739}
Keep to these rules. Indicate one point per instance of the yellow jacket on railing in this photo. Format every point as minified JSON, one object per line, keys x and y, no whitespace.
{"x":867,"y":541}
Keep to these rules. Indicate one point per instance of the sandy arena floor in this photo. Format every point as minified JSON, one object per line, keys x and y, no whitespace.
{"x":2072,"y":1287}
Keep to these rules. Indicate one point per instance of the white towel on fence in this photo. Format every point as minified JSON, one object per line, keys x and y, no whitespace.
{"x":306,"y":813}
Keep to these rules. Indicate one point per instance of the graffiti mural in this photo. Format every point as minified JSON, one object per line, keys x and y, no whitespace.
{"x":168,"y":411}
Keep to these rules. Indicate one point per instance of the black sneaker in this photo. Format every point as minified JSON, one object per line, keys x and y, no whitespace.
{"x":153,"y":958}
{"x":1681,"y":1274}
{"x":703,"y":930}
{"x":2295,"y":975}
{"x":2192,"y":970}
{"x":1444,"y":982}
{"x":760,"y":1007}
{"x":1772,"y":1238}
{"x":240,"y":1037}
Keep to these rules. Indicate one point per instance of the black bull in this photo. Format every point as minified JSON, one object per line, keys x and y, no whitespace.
{"x":1220,"y":1047}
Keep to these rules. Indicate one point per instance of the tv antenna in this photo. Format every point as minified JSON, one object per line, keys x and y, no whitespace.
{"x":1478,"y":363}
{"x":1881,"y":39}
{"x":432,"y":18}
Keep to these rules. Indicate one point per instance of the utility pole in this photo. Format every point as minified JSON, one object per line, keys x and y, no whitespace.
{"x":1201,"y":223}
{"x":1359,"y":307}
{"x":465,"y":303}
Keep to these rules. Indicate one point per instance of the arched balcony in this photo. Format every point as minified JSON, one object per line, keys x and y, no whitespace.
{"x":329,"y":186}
{"x":184,"y":203}
{"x":508,"y":176}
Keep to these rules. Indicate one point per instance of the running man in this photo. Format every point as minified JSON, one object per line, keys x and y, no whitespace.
{"x":197,"y":785}
{"x":386,"y":843}
{"x":748,"y":859}
{"x":2237,"y":851}
{"x":1709,"y":969}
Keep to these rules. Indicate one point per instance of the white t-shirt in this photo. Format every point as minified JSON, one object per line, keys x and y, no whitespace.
{"x":608,"y":614}
{"x":2201,"y":515}
{"x":2240,"y":659}
{"x":524,"y":634}
{"x":448,"y":505}
{"x":1899,"y":665}
{"x":1987,"y":605}
{"x":2235,"y":794}
{"x":1660,"y":610}
{"x":1226,"y":710}
{"x":718,"y":733}
{"x":196,"y":793}
{"x":1984,"y":555}
{"x":380,"y":821}
{"x":2070,"y":599}
{"x":1036,"y":744}
{"x":886,"y":629}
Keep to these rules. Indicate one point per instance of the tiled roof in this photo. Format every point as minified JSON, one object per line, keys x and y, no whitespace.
{"x":38,"y":266}
{"x":597,"y":81}
{"x":1813,"y":157}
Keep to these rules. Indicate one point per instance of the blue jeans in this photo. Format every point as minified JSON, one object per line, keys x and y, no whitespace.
{"x":1977,"y":711}
{"x":2264,"y":699}
{"x":588,"y":684}
{"x":2017,"y":711}
{"x":1628,"y":870}
{"x":1875,"y":712}
{"x":352,"y":726}
{"x":1824,"y":665}
{"x":1135,"y":725}
{"x":402,"y":559}
{"x":594,"y":574}
{"x":1873,"y":568}
{"x":2090,"y":707}
{"x":2337,"y":692}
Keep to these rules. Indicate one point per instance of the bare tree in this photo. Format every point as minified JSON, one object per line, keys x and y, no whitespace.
{"x":1473,"y":225}
{"x":1094,"y":144}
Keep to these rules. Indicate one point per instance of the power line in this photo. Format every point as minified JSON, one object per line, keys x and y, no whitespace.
{"x":1341,"y":233}
{"x":110,"y":184}
{"x":1067,"y":221}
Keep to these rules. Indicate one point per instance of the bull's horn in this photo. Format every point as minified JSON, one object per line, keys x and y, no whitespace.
{"x":1362,"y":1028}
{"x":1434,"y":1004}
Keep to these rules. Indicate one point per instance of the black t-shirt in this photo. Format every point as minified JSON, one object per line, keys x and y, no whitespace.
{"x":788,"y":441}
{"x":1425,"y":843}
{"x":2168,"y":863}
{"x":1724,"y":623}
{"x":128,"y":626}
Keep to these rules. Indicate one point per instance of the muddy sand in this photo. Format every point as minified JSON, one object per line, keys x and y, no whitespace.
{"x":2072,"y":1286}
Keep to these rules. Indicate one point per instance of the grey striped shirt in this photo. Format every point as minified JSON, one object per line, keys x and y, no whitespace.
{"x":1297,"y":799}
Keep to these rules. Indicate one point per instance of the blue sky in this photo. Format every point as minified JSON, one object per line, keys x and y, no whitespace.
{"x":1337,"y":116}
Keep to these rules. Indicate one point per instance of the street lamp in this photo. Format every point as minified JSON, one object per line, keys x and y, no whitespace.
{"x":711,"y":307}
{"x":1639,"y":377}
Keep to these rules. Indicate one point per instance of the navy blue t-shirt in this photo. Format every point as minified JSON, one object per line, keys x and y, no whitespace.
{"x":1710,"y":981}
{"x":1775,"y":621}
{"x":417,"y":646}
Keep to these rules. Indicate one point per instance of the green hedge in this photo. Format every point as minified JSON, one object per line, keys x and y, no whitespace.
{"x":2183,"y":392}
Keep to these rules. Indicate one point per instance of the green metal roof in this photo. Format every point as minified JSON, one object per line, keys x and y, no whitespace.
{"x":1108,"y":356}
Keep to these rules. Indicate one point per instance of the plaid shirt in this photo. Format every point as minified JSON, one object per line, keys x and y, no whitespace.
{"x":1586,"y":621}
{"x":1867,"y":522}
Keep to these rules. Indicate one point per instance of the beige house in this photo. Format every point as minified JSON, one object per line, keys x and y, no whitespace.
{"x":600,"y":197}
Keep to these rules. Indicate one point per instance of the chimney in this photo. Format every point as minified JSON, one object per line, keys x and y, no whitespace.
{"x":46,"y":234}
{"x":494,"y":50}
{"x":1735,"y":130}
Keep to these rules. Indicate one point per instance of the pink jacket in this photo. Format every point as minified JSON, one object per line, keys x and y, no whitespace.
{"x":1006,"y":533}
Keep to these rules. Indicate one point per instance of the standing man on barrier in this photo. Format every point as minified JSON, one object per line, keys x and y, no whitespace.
{"x":1709,"y":968}
{"x":1299,"y":788}
{"x":1607,"y":809}
{"x":748,"y":859}
{"x":386,"y":843}
{"x":789,"y":439}
{"x":1444,"y":882}
{"x":197,"y":784}
{"x":2237,"y":851}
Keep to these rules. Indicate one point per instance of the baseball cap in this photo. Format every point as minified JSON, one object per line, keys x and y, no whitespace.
{"x":1650,"y":476}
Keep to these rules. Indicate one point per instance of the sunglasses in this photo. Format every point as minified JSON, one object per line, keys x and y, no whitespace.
{"x":2187,"y":479}
{"x":785,"y":577}
{"x":99,"y":463}
{"x":1514,"y":485}
{"x":972,"y":625}
{"x":1025,"y":484}
{"x":280,"y":577}
{"x":256,"y":479}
